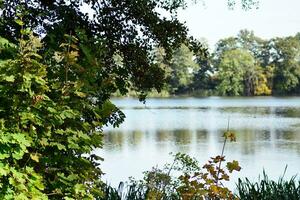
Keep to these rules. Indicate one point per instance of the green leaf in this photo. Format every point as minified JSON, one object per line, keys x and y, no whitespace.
{"x":4,"y":170}
{"x":18,"y":154}
{"x":80,"y":188}
{"x":21,"y":196}
{"x":20,"y":138}
{"x":8,"y":78}
{"x":60,"y":146}
{"x":68,"y":198}
{"x":35,"y":157}
{"x":233,"y":166}
{"x":4,"y":156}
{"x":44,"y":142}
{"x":80,"y":94}
{"x":20,"y":22}
{"x":51,"y":110}
{"x":68,"y":114}
{"x":25,"y":31}
{"x":107,"y":109}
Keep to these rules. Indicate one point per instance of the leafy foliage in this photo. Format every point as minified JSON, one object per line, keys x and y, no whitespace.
{"x":130,"y":29}
{"x":181,"y":69}
{"x":51,"y":120}
{"x":286,"y":60}
{"x":234,"y":66}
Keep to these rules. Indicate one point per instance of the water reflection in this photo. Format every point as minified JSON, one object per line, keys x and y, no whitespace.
{"x":162,"y":136}
{"x":267,"y":129}
{"x":135,"y":138}
{"x":249,"y":141}
{"x":201,"y":136}
{"x":182,"y":137}
{"x":114,"y":140}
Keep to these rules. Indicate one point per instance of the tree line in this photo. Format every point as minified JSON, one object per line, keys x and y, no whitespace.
{"x":244,"y":65}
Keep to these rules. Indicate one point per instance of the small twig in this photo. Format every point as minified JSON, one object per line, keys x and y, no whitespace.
{"x":222,"y":154}
{"x":171,"y":168}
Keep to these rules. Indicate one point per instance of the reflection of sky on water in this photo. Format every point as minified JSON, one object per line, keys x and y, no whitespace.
{"x":268,"y":137}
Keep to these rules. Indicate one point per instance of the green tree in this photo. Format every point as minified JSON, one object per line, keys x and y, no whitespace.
{"x":203,"y":79}
{"x":50,"y":124}
{"x":55,"y":97}
{"x":261,"y":82}
{"x":236,"y":72}
{"x":223,"y":45}
{"x":246,"y":40}
{"x":257,"y":77}
{"x":182,"y":67}
{"x":285,"y":57}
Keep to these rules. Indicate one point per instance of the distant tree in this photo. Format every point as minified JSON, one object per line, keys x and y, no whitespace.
{"x":223,"y":45}
{"x":286,"y":58}
{"x":247,"y":40}
{"x":182,"y":66}
{"x":258,"y":77}
{"x":203,"y":79}
{"x":244,"y":40}
{"x":261,"y":82}
{"x":236,"y":73}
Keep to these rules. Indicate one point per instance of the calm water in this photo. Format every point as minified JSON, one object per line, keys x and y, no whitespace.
{"x":267,"y":129}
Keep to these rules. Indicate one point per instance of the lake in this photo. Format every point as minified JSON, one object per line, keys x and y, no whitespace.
{"x":267,"y":130}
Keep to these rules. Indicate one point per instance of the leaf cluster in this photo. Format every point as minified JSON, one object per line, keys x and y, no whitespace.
{"x":50,"y":121}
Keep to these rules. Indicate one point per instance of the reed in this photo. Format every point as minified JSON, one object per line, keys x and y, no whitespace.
{"x":263,"y":189}
{"x":124,"y":192}
{"x":266,"y":189}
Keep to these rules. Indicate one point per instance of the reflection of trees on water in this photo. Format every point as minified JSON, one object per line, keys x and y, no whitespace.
{"x":202,"y":136}
{"x":288,"y":139}
{"x":113,"y":140}
{"x":260,"y":111}
{"x":287,"y":112}
{"x":249,"y":141}
{"x":162,"y":136}
{"x":256,"y":111}
{"x":289,"y":135}
{"x":182,"y":136}
{"x":116,"y":140}
{"x":135,"y":138}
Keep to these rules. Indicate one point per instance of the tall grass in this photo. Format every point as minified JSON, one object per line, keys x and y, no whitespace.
{"x":263,"y":189}
{"x":124,"y":192}
{"x":266,"y":189}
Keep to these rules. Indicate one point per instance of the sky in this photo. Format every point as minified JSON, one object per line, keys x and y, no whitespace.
{"x":214,"y":20}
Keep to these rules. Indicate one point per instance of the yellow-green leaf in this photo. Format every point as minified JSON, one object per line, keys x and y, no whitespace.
{"x":35,"y":157}
{"x":20,"y":22}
